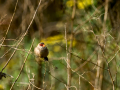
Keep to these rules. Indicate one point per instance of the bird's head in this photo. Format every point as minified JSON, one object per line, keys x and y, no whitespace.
{"x":42,"y":44}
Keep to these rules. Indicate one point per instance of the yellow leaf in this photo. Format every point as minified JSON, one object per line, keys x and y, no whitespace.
{"x":53,"y":39}
{"x":73,"y":44}
{"x":84,"y":3}
{"x":80,"y":5}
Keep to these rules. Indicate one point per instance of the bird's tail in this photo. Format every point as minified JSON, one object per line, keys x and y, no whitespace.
{"x":45,"y":58}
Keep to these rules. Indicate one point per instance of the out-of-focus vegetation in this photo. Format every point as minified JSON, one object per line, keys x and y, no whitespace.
{"x":81,"y":4}
{"x":82,"y":37}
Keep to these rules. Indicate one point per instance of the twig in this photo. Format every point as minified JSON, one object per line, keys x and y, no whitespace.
{"x":84,"y":59}
{"x":22,"y":37}
{"x":22,"y":65}
{"x":85,"y":62}
{"x":104,"y":25}
{"x":10,"y":23}
{"x":68,"y":62}
{"x":70,"y":48}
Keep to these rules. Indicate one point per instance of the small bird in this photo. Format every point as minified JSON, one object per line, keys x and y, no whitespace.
{"x":41,"y":51}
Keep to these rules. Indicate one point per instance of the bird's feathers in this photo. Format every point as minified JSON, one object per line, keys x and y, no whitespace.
{"x":41,"y":52}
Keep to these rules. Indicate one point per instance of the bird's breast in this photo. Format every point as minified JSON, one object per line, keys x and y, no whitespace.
{"x":44,"y":52}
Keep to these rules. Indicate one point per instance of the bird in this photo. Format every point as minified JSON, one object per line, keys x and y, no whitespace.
{"x":41,"y":51}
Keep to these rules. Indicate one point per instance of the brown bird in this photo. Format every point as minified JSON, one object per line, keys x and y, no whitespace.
{"x":41,"y":51}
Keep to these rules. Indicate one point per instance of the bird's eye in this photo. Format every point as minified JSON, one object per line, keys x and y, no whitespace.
{"x":41,"y":44}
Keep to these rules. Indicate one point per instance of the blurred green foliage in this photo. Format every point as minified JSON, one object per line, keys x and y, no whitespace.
{"x":49,"y":27}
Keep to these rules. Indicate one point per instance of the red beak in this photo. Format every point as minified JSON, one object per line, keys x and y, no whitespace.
{"x":43,"y":45}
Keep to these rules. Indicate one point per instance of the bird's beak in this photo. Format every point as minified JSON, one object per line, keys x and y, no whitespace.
{"x":43,"y":45}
